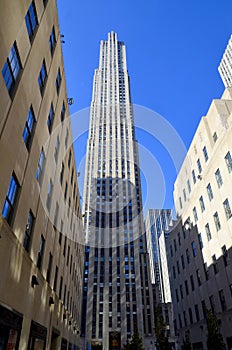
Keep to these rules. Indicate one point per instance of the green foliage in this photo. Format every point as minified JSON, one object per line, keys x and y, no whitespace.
{"x":214,"y":337}
{"x":135,"y":344}
{"x":160,"y":332}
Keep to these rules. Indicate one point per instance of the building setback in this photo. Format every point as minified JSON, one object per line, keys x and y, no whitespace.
{"x":41,"y":255}
{"x":117,"y":291}
{"x":200,"y":246}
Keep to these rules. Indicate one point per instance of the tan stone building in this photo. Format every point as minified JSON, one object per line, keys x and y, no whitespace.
{"x":200,"y":247}
{"x":41,"y":255}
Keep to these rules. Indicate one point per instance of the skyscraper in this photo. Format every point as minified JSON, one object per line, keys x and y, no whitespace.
{"x":225,"y":67}
{"x":116,"y":294}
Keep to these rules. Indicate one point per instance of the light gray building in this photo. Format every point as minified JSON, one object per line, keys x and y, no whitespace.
{"x":200,"y":246}
{"x":225,"y":67}
{"x":116,"y":297}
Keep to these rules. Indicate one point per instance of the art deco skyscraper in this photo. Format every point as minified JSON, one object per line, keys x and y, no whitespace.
{"x":116,"y":281}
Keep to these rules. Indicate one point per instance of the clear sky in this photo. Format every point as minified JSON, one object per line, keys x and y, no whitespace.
{"x":173,"y":51}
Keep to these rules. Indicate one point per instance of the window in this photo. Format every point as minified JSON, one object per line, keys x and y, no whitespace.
{"x":69,"y":159}
{"x":186,"y":287}
{"x":194,"y":176}
{"x":57,"y":147}
{"x":28,"y":231}
{"x":187,"y":256}
{"x":210,"y":192}
{"x":197,"y":313}
{"x":225,"y":255}
{"x":31,"y":21}
{"x":11,"y":70}
{"x":202,"y":205}
{"x":195,"y":214}
{"x":199,"y":166}
{"x":52,"y":41}
{"x":62,"y":114}
{"x":226,"y":205}
{"x":41,"y":252}
{"x":41,"y":164}
{"x":58,"y":81}
{"x":62,"y":173}
{"x":200,"y":240}
{"x":215,"y":137}
{"x":182,"y":261}
{"x":192,"y":282}
{"x":11,"y":200}
{"x":205,"y":154}
{"x":208,"y":233}
{"x":42,"y":78}
{"x":218,"y":178}
{"x":217,"y":221}
{"x":222,"y":300}
{"x":184,"y":194}
{"x":49,"y":195}
{"x":49,"y":270}
{"x":215,"y":264}
{"x":50,"y":118}
{"x":55,"y":278}
{"x":212,"y":303}
{"x":180,"y":202}
{"x":198,"y":277}
{"x":189,"y":186}
{"x":29,"y":128}
{"x":194,"y":248}
{"x":228,"y":160}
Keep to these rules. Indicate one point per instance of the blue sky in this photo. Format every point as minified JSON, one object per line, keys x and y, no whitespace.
{"x":173,"y":51}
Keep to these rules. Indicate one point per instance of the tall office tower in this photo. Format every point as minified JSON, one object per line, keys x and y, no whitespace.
{"x":116,"y":279}
{"x":200,"y":245}
{"x":41,"y":259}
{"x":158,"y":224}
{"x":225,"y":67}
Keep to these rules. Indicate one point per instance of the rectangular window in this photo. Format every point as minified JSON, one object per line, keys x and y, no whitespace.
{"x":210,"y":192}
{"x":225,"y":255}
{"x":49,"y":270}
{"x":41,"y":252}
{"x":42,"y":78}
{"x":57,"y":147}
{"x":202,"y":204}
{"x":62,"y":173}
{"x":28,"y":231}
{"x":58,"y":81}
{"x":215,"y":264}
{"x":195,"y":214}
{"x":215,"y":137}
{"x":50,"y":118}
{"x":205,"y":154}
{"x":29,"y":129}
{"x":12,"y":69}
{"x":31,"y":21}
{"x":11,"y":200}
{"x":228,"y":160}
{"x":40,"y":168}
{"x":208,"y":232}
{"x":200,"y":240}
{"x":189,"y":186}
{"x":198,"y":277}
{"x":187,"y":256}
{"x":194,"y":248}
{"x":197,"y":313}
{"x":180,"y":201}
{"x":218,"y":178}
{"x":222,"y":300}
{"x":49,"y":195}
{"x":184,"y":194}
{"x":217,"y":221}
{"x":199,"y":166}
{"x":194,"y":176}
{"x":61,"y":285}
{"x":55,"y":278}
{"x":192,"y":282}
{"x":226,"y":205}
{"x":62,"y":114}
{"x":52,"y":41}
{"x":186,"y":287}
